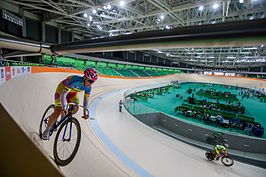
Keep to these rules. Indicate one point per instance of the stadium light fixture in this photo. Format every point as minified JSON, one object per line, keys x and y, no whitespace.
{"x":201,"y":8}
{"x":122,"y":3}
{"x":215,"y":6}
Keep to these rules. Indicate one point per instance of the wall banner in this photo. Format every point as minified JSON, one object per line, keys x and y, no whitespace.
{"x":2,"y":75}
{"x":8,"y":73}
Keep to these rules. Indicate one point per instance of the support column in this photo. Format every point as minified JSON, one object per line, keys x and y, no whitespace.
{"x":59,"y":36}
{"x":42,"y":58}
{"x":72,"y":37}
{"x":43,"y":32}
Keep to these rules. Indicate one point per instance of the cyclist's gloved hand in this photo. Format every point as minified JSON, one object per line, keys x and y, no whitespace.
{"x":85,"y":116}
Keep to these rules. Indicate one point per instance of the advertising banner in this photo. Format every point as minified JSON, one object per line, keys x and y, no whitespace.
{"x":2,"y":75}
{"x":230,"y":74}
{"x":207,"y":72}
{"x":218,"y":73}
{"x":28,"y":69}
{"x":8,"y":73}
{"x":18,"y":71}
{"x":13,"y":72}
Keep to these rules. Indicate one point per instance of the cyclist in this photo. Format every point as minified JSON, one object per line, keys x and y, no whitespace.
{"x":120,"y":105}
{"x":66,"y":92}
{"x":218,"y":149}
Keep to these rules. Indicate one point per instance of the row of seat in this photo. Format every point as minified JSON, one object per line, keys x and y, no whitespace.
{"x":226,"y":115}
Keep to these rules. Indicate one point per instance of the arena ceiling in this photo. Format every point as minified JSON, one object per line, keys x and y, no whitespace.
{"x":102,"y":18}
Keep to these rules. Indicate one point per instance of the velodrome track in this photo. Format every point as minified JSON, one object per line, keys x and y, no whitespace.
{"x":116,"y":144}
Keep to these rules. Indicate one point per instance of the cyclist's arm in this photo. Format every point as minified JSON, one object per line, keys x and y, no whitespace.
{"x":86,"y":105}
{"x":63,"y":99}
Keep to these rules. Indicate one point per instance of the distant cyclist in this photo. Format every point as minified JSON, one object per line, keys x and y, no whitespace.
{"x":220,"y":149}
{"x":66,"y":92}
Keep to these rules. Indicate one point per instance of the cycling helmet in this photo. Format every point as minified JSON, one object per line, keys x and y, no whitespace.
{"x":226,"y":145}
{"x":91,"y":74}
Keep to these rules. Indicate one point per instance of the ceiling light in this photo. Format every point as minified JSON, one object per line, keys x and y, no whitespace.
{"x":94,"y":11}
{"x":230,"y":57}
{"x":109,"y":7}
{"x":162,"y":17}
{"x":241,"y":1}
{"x":90,"y":18}
{"x":215,"y":6}
{"x":104,"y":7}
{"x":85,"y":15}
{"x":201,"y":8}
{"x":88,"y":24}
{"x":122,"y":3}
{"x":99,"y":27}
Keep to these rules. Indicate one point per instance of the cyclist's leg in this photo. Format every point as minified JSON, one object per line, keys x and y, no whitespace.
{"x":217,"y":153}
{"x":54,"y":116}
{"x":58,"y":106}
{"x":72,"y":97}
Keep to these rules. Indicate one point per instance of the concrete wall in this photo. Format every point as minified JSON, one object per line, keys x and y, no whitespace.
{"x":19,"y":155}
{"x":236,"y":142}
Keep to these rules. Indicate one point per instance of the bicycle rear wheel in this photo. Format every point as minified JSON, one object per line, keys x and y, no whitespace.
{"x":67,"y":142}
{"x":45,"y":119}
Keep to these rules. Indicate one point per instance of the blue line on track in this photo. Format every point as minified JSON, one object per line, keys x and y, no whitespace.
{"x":131,"y":164}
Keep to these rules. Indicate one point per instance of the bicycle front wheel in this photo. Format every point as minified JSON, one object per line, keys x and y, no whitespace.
{"x":67,"y":142}
{"x":227,"y":161}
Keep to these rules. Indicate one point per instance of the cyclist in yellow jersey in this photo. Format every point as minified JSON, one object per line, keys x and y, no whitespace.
{"x":219,"y":149}
{"x":66,"y":92}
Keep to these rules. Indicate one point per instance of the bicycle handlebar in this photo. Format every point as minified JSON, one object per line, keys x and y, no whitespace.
{"x":84,"y":108}
{"x":71,"y":107}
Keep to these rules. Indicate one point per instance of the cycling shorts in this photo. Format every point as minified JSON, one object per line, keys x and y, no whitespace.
{"x":72,"y":96}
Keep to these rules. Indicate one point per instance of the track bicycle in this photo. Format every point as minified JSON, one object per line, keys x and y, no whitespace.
{"x":68,"y":136}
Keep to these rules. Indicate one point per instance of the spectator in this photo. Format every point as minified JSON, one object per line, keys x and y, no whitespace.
{"x":120,"y":105}
{"x":219,"y":120}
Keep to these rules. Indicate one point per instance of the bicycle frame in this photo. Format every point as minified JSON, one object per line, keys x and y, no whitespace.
{"x":57,"y":124}
{"x":68,"y":116}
